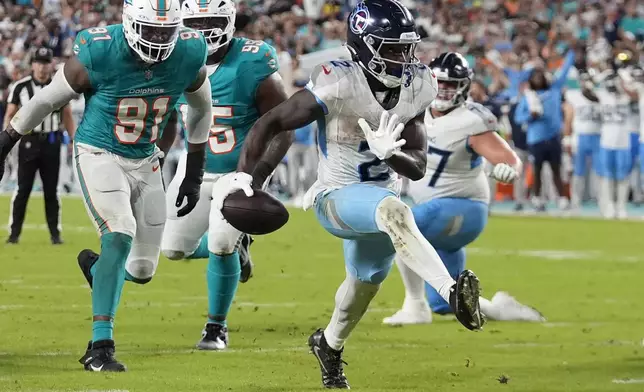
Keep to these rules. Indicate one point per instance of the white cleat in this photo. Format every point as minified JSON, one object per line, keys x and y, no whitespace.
{"x":622,"y":214}
{"x":409,"y":317}
{"x":509,"y":309}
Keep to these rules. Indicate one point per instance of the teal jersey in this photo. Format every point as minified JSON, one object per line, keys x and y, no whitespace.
{"x":130,"y":101}
{"x":234,"y":85}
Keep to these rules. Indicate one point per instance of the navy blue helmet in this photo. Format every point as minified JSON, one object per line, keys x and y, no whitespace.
{"x":382,"y":38}
{"x":454,"y":77}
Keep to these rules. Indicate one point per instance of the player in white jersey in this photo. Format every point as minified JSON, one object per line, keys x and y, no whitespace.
{"x":633,"y":77}
{"x":363,"y":107}
{"x":586,"y":129}
{"x":452,"y":199}
{"x":615,"y":150}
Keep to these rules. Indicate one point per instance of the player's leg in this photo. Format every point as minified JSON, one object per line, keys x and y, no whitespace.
{"x":49,"y":169}
{"x":27,"y":169}
{"x":149,"y":209}
{"x":449,"y":224}
{"x":520,"y":184}
{"x":634,"y":177}
{"x":554,"y":159}
{"x":185,"y":237}
{"x":623,"y":168}
{"x":606,"y":189}
{"x":368,"y":262}
{"x":360,"y":209}
{"x":222,"y":276}
{"x":537,"y":156}
{"x":580,"y":164}
{"x":106,"y":192}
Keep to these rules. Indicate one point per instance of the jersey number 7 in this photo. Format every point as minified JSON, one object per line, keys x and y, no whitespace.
{"x":441,"y":164}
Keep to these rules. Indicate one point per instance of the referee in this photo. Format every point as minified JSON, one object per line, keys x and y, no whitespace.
{"x":40,"y":150}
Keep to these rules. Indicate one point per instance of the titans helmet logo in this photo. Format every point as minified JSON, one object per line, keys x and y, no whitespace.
{"x":359,"y":18}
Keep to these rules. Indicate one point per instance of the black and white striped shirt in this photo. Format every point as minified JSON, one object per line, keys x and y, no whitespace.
{"x":22,"y":91}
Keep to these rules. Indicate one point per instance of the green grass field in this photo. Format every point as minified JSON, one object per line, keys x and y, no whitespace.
{"x":585,"y":276}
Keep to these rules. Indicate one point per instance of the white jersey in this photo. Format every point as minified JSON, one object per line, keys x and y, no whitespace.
{"x":615,"y":133}
{"x":587,"y":118}
{"x":634,"y":118}
{"x":453,"y":169}
{"x":343,"y":91}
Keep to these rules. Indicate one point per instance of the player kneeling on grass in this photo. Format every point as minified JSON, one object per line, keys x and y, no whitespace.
{"x":246,"y":85}
{"x":128,"y":75}
{"x":452,"y":200}
{"x":363,"y":108}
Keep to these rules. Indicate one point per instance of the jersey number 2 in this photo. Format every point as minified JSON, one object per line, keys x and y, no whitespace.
{"x":363,"y":168}
{"x":222,"y":137}
{"x":131,"y":117}
{"x":441,"y":164}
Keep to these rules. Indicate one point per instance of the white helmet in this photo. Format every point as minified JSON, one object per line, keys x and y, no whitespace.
{"x":151,"y":27}
{"x":215,"y":19}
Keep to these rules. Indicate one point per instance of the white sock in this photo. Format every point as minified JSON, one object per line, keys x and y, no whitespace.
{"x":577,"y":191}
{"x":351,"y":302}
{"x":414,"y":285}
{"x":489,"y":310}
{"x":606,"y":203}
{"x":395,"y":218}
{"x":622,"y":194}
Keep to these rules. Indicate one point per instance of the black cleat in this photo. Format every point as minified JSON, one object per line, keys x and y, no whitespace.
{"x":464,"y":301}
{"x":56,"y":240}
{"x":244,"y":258}
{"x":12,"y":240}
{"x":99,"y":357}
{"x":213,"y":337}
{"x":330,"y":360}
{"x":86,"y":259}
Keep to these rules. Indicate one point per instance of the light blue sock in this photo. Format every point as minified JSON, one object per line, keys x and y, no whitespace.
{"x":109,"y":277}
{"x":223,"y":277}
{"x":202,"y":250}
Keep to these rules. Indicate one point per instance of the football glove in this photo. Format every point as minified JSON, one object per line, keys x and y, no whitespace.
{"x":384,"y":142}
{"x":190,"y":187}
{"x":231,"y":183}
{"x":504,"y":173}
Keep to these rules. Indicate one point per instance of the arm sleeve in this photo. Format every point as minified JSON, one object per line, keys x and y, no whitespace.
{"x":199,"y":115}
{"x":565,"y":68}
{"x":522,"y":114}
{"x":52,"y":97}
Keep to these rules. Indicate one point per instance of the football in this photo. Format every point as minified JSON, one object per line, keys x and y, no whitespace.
{"x":259,"y":214}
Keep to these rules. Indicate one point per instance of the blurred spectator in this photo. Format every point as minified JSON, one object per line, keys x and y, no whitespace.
{"x":301,"y":158}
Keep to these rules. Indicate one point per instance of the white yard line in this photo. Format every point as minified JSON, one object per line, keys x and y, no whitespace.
{"x":628,"y":381}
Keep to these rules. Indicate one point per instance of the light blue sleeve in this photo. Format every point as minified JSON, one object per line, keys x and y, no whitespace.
{"x":522,"y":113}
{"x":562,"y":73}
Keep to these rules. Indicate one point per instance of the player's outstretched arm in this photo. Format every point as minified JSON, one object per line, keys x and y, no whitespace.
{"x":270,"y":94}
{"x":299,"y":110}
{"x":66,"y":84}
{"x":411,"y":160}
{"x":198,"y":122}
{"x":498,"y":152}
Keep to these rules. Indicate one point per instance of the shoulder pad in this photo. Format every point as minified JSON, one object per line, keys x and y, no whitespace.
{"x":259,"y":55}
{"x":332,"y":72}
{"x":488,"y":121}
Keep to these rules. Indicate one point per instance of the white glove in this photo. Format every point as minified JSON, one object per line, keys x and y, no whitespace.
{"x":230,"y":183}
{"x":504,"y":173}
{"x":384,"y":142}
